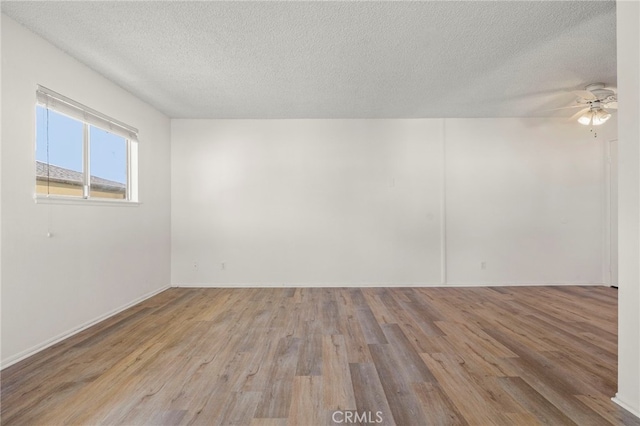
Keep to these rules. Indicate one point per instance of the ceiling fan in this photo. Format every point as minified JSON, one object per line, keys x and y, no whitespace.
{"x":595,"y":100}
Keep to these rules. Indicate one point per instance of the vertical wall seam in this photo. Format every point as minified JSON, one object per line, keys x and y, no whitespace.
{"x":443,"y":207}
{"x":607,"y":218}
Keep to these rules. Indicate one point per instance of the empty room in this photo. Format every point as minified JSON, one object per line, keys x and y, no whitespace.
{"x":320,"y":213}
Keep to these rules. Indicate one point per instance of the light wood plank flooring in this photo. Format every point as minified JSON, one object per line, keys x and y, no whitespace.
{"x":404,"y":356}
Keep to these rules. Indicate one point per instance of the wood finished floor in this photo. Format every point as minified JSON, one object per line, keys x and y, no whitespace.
{"x":404,"y":356}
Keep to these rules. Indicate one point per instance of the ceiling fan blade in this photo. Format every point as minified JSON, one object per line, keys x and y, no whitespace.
{"x":584,"y":94}
{"x":579,"y":113}
{"x":611,"y":105}
{"x":567,"y":107}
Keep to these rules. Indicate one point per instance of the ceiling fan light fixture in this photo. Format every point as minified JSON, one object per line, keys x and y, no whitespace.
{"x":600,"y":116}
{"x":585,"y":118}
{"x":596,"y":97}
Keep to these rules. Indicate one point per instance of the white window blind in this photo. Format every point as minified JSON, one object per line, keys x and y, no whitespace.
{"x":50,"y":99}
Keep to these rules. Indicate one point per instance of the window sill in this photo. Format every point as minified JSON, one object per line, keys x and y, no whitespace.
{"x":44,"y":199}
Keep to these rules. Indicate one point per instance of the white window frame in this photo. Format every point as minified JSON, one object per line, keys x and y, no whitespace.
{"x":60,"y":104}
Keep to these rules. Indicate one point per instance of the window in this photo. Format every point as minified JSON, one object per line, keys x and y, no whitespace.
{"x":81,"y":153}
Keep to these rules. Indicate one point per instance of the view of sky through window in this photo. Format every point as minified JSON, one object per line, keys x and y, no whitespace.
{"x":108,"y":152}
{"x":65,"y":140}
{"x":108,"y":155}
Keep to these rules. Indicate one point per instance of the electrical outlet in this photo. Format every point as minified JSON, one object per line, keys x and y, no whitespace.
{"x":195,"y":265}
{"x":483,"y":265}
{"x":223,"y":266}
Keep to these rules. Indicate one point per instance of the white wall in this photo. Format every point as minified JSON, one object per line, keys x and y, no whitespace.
{"x":306,"y":202}
{"x":628,"y":32}
{"x":0,"y":199}
{"x":100,"y":259}
{"x":358,"y":202}
{"x":526,"y":197}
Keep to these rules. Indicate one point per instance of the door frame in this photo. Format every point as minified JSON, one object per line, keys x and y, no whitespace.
{"x":610,"y":257}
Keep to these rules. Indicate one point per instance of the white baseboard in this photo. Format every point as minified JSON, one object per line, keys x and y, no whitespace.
{"x":626,"y":406}
{"x":50,"y":342}
{"x":300,"y":285}
{"x":526,"y":284}
{"x":370,"y":284}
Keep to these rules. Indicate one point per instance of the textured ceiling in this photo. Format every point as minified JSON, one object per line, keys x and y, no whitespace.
{"x":338,"y":59}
